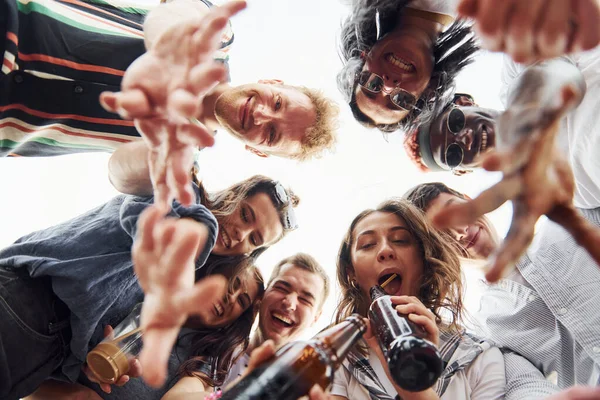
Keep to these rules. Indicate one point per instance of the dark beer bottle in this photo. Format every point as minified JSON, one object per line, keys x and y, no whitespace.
{"x":415,"y":363}
{"x":298,"y":366}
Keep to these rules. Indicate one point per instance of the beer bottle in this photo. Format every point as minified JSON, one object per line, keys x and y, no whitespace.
{"x":298,"y":366}
{"x":414,"y":362}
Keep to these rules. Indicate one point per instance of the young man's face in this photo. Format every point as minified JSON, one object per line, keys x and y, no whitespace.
{"x":404,"y":59}
{"x":463,"y":133}
{"x":269,"y":117}
{"x":291,"y":304}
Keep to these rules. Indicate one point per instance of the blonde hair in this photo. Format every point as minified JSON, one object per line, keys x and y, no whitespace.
{"x":441,"y":285}
{"x":321,"y":136}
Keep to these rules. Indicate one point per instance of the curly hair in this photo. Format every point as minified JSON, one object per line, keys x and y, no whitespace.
{"x":441,"y":286}
{"x":322,"y":135}
{"x":413,"y":149}
{"x":453,"y":50}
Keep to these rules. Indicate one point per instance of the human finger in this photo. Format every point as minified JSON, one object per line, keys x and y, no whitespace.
{"x":414,"y":308}
{"x":207,"y":36}
{"x":158,"y":176}
{"x":195,"y":299}
{"x":467,"y":8}
{"x":122,"y":380}
{"x":105,"y":387}
{"x":487,"y":201}
{"x":163,"y":237}
{"x":179,"y":256}
{"x":428,"y":325}
{"x":491,"y":20}
{"x":586,"y":22}
{"x":133,"y":103}
{"x":196,"y":134}
{"x":520,"y":30}
{"x":317,"y":393}
{"x":181,"y":161}
{"x":183,"y":103}
{"x":146,"y":225}
{"x":516,"y":242}
{"x":108,"y":100}
{"x":554,"y":30}
{"x":260,"y":355}
{"x":203,"y":77}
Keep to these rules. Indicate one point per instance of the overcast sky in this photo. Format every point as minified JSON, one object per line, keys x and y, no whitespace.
{"x":294,"y":41}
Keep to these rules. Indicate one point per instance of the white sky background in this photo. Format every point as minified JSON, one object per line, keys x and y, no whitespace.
{"x":294,"y":41}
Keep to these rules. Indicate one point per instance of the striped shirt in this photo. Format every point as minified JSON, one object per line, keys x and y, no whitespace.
{"x":549,"y":312}
{"x":58,"y":56}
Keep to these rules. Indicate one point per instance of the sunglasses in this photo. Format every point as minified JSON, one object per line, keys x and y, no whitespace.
{"x":455,"y":122}
{"x":399,"y":97}
{"x":289,"y":220}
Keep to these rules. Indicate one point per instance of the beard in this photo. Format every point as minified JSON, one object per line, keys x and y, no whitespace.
{"x":226,"y":112}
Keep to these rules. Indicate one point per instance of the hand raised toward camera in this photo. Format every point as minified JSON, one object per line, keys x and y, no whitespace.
{"x":162,"y":91}
{"x":164,"y":255}
{"x":539,"y":181}
{"x":535,"y":29}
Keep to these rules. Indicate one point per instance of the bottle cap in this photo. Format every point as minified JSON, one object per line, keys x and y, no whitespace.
{"x":108,"y":362}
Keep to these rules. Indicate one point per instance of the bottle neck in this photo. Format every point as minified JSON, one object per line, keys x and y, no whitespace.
{"x":338,"y":340}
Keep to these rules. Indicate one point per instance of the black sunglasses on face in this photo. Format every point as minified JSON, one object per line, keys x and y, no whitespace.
{"x":454,"y":152}
{"x":399,"y":97}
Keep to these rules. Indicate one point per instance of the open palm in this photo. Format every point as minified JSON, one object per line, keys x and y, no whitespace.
{"x":162,"y":92}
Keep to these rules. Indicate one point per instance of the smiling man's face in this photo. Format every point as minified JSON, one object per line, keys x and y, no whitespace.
{"x":291,"y":304}
{"x":474,"y":135}
{"x":269,"y":117}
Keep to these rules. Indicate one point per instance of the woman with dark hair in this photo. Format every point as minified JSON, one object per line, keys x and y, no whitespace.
{"x":475,"y":241}
{"x":395,"y":238}
{"x":400,"y":59}
{"x":62,"y":285}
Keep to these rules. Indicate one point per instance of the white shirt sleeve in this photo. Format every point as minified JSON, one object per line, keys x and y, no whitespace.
{"x":339,"y":387}
{"x":486,"y":376}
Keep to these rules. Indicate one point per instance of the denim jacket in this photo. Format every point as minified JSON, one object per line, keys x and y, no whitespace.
{"x":89,"y":261}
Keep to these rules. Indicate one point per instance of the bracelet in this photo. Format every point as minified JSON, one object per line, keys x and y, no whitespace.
{"x":214,"y":395}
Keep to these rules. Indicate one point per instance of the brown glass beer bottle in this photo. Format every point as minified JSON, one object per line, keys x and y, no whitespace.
{"x":414,"y":362}
{"x":298,"y":366}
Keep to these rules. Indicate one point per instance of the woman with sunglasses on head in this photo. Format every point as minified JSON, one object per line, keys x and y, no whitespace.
{"x":78,"y":277}
{"x":395,"y":238}
{"x":531,"y":310}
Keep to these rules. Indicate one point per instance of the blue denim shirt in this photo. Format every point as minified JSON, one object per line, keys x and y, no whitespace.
{"x":89,"y":261}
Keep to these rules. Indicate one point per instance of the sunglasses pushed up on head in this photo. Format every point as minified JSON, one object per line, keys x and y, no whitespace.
{"x":281,"y":199}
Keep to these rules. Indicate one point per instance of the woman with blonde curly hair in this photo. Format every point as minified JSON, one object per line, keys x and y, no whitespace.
{"x":395,"y":238}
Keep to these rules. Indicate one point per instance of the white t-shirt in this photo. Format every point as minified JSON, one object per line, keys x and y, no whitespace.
{"x":579,"y":135}
{"x":236,"y":370}
{"x":483,"y":379}
{"x":447,"y":7}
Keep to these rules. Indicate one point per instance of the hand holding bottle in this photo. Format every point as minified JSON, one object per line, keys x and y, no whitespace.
{"x":418,"y":314}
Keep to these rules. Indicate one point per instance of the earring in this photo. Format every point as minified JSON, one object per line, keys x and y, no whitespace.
{"x":354,"y":284}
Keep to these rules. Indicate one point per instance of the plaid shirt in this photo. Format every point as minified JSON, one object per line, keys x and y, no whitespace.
{"x":457,"y":350}
{"x":548,"y":312}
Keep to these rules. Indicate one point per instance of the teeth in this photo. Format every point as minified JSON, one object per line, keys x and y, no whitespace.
{"x":399,"y":62}
{"x":484,"y":139}
{"x":283,"y":319}
{"x":225,"y":237}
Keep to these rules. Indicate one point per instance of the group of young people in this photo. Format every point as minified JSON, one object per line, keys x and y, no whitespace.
{"x":121,"y":73}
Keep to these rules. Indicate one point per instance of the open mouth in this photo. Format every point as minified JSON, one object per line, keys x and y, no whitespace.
{"x":244,"y":112}
{"x":393,"y":286}
{"x":225,"y":239}
{"x":218,"y":308}
{"x":399,"y":63}
{"x":281,"y":320}
{"x":484,"y":139}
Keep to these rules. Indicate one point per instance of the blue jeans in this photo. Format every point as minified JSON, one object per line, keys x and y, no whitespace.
{"x":34,"y":333}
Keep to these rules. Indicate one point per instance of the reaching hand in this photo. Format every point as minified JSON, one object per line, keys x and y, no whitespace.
{"x":535,"y":29}
{"x":164,"y":256}
{"x":163,"y":89}
{"x":135,"y":369}
{"x":538,"y":180}
{"x":578,"y":393}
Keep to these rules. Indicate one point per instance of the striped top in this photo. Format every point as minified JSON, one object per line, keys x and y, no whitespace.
{"x":548,"y":312}
{"x":58,"y":56}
